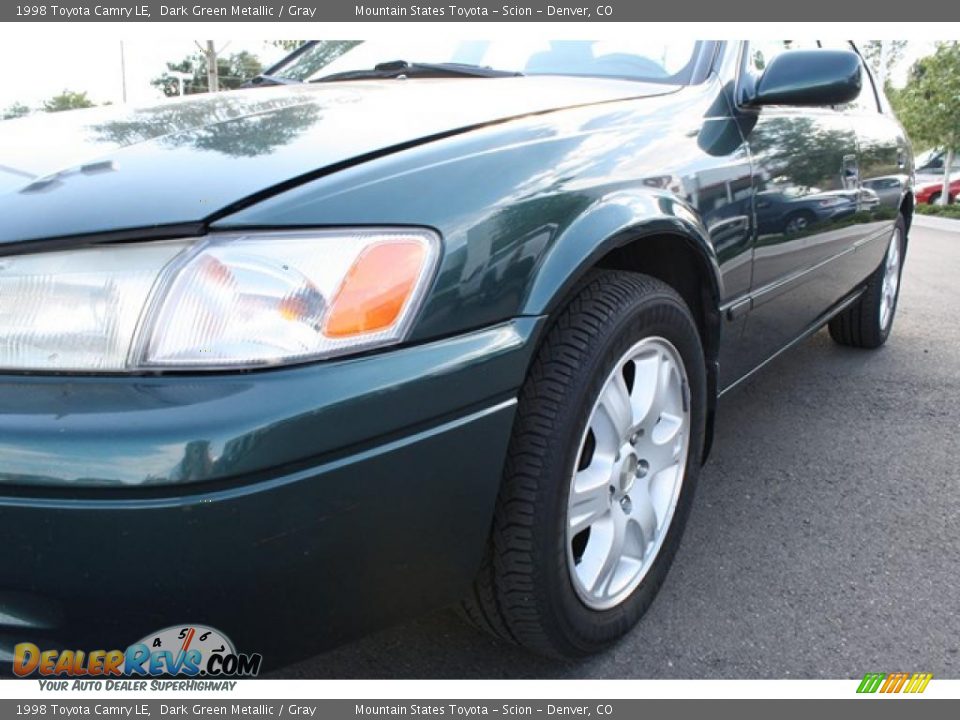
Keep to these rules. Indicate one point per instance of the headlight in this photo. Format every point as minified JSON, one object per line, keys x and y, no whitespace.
{"x":223,"y":301}
{"x":832,"y":202}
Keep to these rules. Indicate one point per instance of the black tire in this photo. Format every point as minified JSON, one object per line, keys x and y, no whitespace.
{"x":524,"y":592}
{"x":859,"y":325}
{"x":798,"y":222}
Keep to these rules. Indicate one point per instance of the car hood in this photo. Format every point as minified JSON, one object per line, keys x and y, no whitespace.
{"x":183,"y":161}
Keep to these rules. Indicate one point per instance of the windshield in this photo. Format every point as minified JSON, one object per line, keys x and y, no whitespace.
{"x":932,"y":162}
{"x":633,"y":60}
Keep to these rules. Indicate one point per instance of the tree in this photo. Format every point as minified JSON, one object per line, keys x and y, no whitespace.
{"x":279,"y":121}
{"x":929,"y":105}
{"x":68,"y":100}
{"x":288,"y":45}
{"x":317,"y":57}
{"x":232,"y":71}
{"x":16,"y":110}
{"x":883,"y":56}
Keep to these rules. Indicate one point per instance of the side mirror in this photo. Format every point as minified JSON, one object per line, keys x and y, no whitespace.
{"x":807,"y":77}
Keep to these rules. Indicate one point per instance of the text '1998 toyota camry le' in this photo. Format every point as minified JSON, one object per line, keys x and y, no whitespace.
{"x":429,"y":323}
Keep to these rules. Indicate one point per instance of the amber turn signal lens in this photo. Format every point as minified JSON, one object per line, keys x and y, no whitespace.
{"x":375,"y":289}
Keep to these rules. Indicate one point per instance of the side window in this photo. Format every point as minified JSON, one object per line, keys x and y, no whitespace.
{"x":761,"y":53}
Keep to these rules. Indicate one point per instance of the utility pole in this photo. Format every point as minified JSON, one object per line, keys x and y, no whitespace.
{"x":213,"y":80}
{"x":210,"y":55}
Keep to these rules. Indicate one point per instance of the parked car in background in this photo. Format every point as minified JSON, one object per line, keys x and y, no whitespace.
{"x":794,"y":211}
{"x":931,"y":165}
{"x":436,"y":322}
{"x":884,"y":190}
{"x":928,"y":193}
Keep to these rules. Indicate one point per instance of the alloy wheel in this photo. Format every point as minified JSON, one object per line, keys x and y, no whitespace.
{"x":630,"y":470}
{"x":891,"y":281}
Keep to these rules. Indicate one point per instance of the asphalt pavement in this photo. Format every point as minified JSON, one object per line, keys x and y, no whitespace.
{"x":825,"y":536}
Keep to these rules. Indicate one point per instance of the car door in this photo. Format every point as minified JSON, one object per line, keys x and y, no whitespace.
{"x":885,"y":168}
{"x":806,"y":202}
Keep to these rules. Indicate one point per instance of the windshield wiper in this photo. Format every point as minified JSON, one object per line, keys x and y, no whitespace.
{"x":263,"y":79}
{"x":402,"y":68}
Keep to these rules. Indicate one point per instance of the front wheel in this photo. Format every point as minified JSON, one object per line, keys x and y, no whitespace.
{"x":798,"y":222}
{"x":601,"y":470}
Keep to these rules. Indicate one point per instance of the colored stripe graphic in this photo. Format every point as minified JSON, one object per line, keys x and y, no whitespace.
{"x":918,"y":683}
{"x":894,"y":682}
{"x":871,"y":682}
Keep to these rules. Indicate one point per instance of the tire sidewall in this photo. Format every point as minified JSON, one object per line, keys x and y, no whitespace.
{"x":659,"y":314}
{"x":884,"y":332}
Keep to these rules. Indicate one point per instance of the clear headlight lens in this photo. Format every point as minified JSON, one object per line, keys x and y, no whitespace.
{"x":76,"y":310}
{"x":224,"y":301}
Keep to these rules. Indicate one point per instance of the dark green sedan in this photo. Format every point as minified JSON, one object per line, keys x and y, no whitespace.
{"x":430,"y":323}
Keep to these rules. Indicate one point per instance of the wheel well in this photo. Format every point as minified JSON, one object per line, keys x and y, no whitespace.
{"x":671,"y":258}
{"x":906,"y":209}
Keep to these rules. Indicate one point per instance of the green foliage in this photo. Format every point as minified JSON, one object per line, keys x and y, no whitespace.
{"x":316,"y":58}
{"x":280,"y":120}
{"x":68,"y":100}
{"x":872,"y":51}
{"x":288,"y":45}
{"x":14,"y":111}
{"x":806,"y":151}
{"x":929,"y":106}
{"x":232,"y":70}
{"x":948,"y":211}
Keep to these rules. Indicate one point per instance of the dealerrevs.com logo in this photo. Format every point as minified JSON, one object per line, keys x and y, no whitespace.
{"x":180,"y":650}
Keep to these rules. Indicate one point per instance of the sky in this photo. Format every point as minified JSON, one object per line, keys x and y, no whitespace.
{"x":94,"y":67}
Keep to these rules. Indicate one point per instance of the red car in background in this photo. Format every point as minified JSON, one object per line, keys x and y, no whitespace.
{"x":930,"y":192}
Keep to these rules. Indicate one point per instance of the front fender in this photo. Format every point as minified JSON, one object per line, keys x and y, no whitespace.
{"x":614,"y":220}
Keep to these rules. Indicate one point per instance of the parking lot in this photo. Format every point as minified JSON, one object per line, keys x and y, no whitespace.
{"x":825,"y":536}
